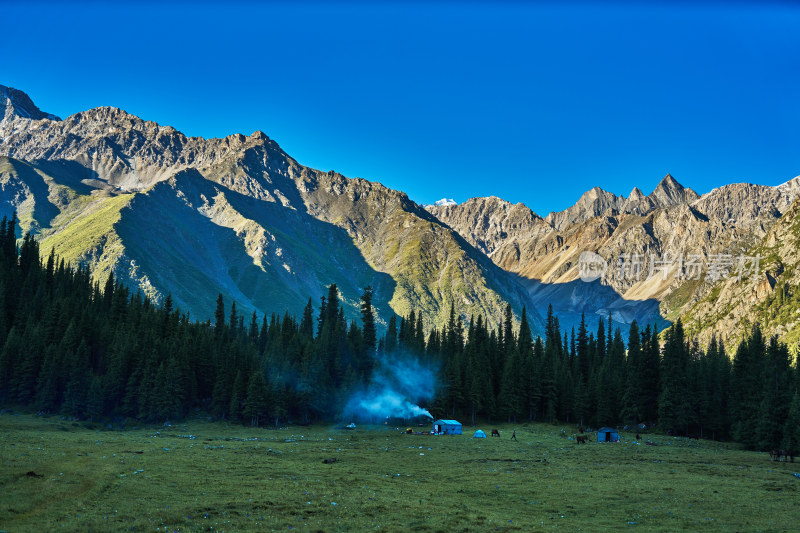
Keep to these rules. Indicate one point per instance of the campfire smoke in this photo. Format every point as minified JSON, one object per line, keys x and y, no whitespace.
{"x":397,"y":387}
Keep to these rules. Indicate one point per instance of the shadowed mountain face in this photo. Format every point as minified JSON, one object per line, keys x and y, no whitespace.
{"x":196,"y":217}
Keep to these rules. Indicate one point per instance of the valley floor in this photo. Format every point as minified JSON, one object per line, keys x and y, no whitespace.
{"x":57,"y":475}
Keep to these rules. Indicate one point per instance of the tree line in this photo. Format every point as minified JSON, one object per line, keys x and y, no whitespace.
{"x":74,"y":347}
{"x":594,"y":379}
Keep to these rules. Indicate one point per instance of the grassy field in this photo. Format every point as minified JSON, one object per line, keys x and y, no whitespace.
{"x":62,"y":475}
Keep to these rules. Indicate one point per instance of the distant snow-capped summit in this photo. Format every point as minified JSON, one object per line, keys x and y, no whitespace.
{"x":445,"y":202}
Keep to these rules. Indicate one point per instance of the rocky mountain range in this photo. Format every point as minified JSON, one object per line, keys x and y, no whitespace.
{"x":195,"y":217}
{"x":652,"y":247}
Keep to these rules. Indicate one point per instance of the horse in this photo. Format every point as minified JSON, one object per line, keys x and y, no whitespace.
{"x":495,"y":433}
{"x":782,"y":455}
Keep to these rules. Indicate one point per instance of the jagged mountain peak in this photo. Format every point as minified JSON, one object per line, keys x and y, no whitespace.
{"x":669,"y":192}
{"x":592,"y":203}
{"x":636,"y":194}
{"x":594,"y":193}
{"x":15,"y":103}
{"x":669,"y":183}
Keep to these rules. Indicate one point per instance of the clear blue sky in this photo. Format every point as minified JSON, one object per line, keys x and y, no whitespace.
{"x":532,"y":103}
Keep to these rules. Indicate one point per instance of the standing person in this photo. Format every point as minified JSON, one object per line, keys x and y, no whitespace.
{"x":514,"y":435}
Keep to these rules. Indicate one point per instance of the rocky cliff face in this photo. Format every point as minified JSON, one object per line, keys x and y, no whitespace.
{"x":195,"y":217}
{"x":491,"y":223}
{"x":767,"y":295}
{"x":747,"y":206}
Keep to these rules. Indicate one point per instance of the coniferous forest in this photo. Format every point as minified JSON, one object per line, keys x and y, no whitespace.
{"x":73,"y":347}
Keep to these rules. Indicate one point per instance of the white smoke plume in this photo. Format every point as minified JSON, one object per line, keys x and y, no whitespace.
{"x":397,"y":386}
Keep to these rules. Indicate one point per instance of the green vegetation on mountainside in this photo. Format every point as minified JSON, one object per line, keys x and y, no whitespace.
{"x":91,"y":237}
{"x":432,"y":272}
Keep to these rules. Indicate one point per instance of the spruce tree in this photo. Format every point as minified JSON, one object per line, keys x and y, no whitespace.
{"x":776,"y":396}
{"x":95,"y":399}
{"x":791,"y":429}
{"x":49,"y":386}
{"x":632,"y":408}
{"x":256,"y":404}
{"x":674,"y":410}
{"x":390,"y":339}
{"x":238,"y":396}
{"x":219,"y":316}
{"x":582,"y":350}
{"x":368,"y":333}
{"x":746,"y":391}
{"x":78,"y":385}
{"x":307,"y":322}
{"x":650,"y":374}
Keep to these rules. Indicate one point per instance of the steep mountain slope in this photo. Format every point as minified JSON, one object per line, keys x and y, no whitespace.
{"x":768,"y":296}
{"x":15,"y":103}
{"x":27,"y":192}
{"x":194,"y":217}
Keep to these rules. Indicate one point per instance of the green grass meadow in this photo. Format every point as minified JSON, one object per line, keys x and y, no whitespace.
{"x":199,"y":476}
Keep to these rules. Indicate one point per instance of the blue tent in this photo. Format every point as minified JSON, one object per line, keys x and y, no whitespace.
{"x":607,"y":435}
{"x":479,"y":434}
{"x":447,"y":427}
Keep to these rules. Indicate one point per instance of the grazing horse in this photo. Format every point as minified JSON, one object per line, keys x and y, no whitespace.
{"x":495,"y":433}
{"x":581,"y":439}
{"x":782,"y":455}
